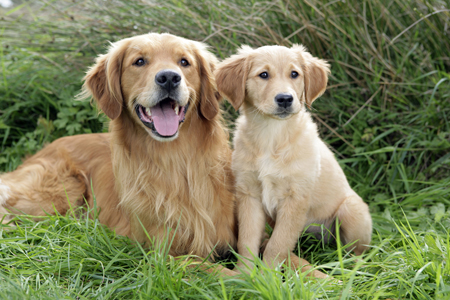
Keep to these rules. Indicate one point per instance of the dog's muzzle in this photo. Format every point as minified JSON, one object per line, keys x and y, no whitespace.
{"x":164,"y":118}
{"x":168,"y":80}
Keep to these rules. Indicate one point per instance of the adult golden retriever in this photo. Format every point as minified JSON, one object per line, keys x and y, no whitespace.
{"x":284,"y":171}
{"x":164,"y":168}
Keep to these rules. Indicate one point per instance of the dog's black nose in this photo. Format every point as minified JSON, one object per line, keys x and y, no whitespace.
{"x":284,"y":100}
{"x":168,"y":79}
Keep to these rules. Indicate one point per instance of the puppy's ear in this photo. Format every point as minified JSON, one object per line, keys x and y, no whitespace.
{"x":209,"y":98}
{"x":316,"y":74}
{"x":231,"y":77}
{"x":102,"y":81}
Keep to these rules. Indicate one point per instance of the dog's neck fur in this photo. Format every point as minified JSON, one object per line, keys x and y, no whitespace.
{"x":179,"y":182}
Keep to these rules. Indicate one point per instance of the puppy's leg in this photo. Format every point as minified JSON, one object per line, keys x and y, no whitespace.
{"x":291,"y":219}
{"x":356,"y":223}
{"x":252,"y":219}
{"x":304,"y":266}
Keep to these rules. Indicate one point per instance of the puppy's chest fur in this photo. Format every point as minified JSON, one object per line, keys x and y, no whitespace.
{"x":282,"y":164}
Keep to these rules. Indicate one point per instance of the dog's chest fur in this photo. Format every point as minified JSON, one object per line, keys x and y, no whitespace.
{"x":282,"y":159}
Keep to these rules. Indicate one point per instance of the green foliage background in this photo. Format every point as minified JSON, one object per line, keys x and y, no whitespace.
{"x":385,"y":114}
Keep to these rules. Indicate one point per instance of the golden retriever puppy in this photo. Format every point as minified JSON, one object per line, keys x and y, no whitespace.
{"x":164,"y":168}
{"x":284,"y":172}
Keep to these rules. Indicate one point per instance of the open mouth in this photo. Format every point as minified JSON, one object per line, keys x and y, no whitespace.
{"x":164,"y":118}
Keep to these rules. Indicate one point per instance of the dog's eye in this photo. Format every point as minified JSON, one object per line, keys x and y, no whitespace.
{"x":264,"y":75}
{"x":294,"y":74}
{"x":184,"y":62}
{"x":139,"y":62}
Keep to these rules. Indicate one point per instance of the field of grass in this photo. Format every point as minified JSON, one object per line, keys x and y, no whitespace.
{"x":386,"y":115}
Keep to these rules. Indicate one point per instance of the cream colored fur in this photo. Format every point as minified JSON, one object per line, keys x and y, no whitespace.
{"x":284,"y":172}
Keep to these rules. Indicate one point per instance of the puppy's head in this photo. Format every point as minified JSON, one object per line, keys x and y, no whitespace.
{"x":274,"y":80}
{"x":157,"y":80}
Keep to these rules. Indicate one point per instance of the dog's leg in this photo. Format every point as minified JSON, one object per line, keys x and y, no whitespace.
{"x":356,"y":224}
{"x":5,"y":194}
{"x":291,"y":219}
{"x":161,"y":238}
{"x":212,"y":268}
{"x":251,"y":227}
{"x":42,"y":186}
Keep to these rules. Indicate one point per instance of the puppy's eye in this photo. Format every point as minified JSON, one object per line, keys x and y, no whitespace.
{"x":184,"y":62}
{"x":139,"y":62}
{"x":264,"y":75}
{"x":294,"y":74}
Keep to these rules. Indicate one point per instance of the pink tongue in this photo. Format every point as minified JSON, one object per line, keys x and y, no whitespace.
{"x":165,"y":119}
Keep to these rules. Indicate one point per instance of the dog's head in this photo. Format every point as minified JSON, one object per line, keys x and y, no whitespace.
{"x":158,"y":80}
{"x":273,"y":80}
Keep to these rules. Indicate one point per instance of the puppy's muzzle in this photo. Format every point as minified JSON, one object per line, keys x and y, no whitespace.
{"x":168,"y":80}
{"x":284,"y":100}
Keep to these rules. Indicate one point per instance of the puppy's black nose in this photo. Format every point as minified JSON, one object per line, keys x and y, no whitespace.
{"x":284,"y":100}
{"x":168,"y":79}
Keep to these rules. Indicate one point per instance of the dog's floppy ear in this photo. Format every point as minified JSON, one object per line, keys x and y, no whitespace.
{"x":209,"y":98}
{"x":231,"y":77}
{"x":316,"y":74}
{"x":102,"y":81}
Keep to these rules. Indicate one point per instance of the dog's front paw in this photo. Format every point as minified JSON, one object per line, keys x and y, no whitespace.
{"x":242,"y":268}
{"x":227,"y":272}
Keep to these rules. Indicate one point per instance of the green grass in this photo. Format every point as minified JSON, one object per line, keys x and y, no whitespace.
{"x":68,"y":258}
{"x":385,"y":115}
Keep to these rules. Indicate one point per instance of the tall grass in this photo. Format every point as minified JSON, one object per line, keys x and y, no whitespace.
{"x":385,"y":115}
